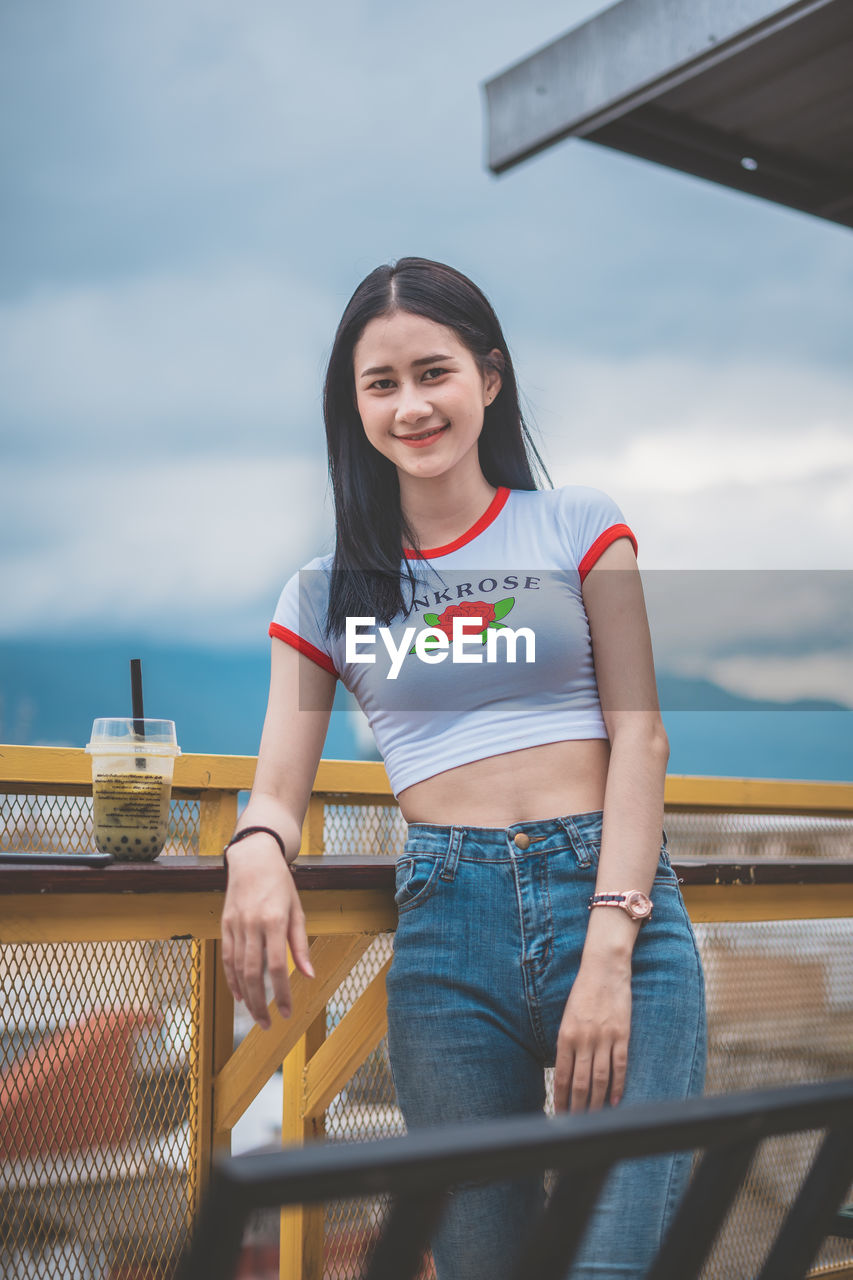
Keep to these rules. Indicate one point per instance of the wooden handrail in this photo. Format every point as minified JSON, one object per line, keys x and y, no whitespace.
{"x":366,"y":780}
{"x":186,"y":874}
{"x":71,"y":766}
{"x":758,"y":795}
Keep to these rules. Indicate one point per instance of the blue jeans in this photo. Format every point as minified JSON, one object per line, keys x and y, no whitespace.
{"x":487,"y":947}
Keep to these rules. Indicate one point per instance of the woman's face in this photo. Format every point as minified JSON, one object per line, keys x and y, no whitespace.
{"x":421,"y":395}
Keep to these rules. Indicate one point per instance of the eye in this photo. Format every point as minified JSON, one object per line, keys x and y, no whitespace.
{"x":381,"y":384}
{"x":437,"y":371}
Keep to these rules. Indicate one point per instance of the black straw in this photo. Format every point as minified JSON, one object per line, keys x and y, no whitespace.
{"x":136,"y":695}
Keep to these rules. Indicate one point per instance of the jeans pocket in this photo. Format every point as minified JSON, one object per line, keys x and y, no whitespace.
{"x":665,"y":873}
{"x":416,"y":879}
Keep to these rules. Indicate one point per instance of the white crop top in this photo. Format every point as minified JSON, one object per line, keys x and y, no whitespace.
{"x":520,"y":566}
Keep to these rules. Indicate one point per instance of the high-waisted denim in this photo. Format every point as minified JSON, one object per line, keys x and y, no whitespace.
{"x":487,"y":947}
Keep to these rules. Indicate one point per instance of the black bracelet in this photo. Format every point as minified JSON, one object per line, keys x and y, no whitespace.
{"x":251,"y":831}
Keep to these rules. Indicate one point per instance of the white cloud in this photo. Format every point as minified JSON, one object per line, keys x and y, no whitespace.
{"x":704,"y":454}
{"x":818,"y":675}
{"x":749,"y":526}
{"x":164,"y":424}
{"x":773,"y":610}
{"x":745,"y":469}
{"x":198,"y":543}
{"x":209,"y":359}
{"x":199,"y":549}
{"x":715,"y":465}
{"x":763,"y":633}
{"x":598,"y":409}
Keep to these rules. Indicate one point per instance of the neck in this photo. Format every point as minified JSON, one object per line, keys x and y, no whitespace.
{"x":441,"y":509}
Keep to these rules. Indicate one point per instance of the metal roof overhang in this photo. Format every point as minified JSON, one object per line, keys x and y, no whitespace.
{"x":753,"y":94}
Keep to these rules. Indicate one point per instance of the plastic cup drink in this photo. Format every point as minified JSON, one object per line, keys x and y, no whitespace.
{"x":132,"y":766}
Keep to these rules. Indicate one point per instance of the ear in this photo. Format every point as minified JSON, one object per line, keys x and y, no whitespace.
{"x":492,"y":380}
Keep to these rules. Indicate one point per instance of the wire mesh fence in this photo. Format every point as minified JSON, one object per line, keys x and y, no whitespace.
{"x":63,"y":824}
{"x":98,"y":1104}
{"x":99,"y":1083}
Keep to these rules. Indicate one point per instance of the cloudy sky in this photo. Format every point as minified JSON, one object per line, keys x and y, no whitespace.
{"x":191,"y":191}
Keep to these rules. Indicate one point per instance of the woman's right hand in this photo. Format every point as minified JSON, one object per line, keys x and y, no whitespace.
{"x":262,"y":913}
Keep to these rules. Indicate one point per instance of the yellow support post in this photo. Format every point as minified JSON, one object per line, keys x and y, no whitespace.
{"x":301,"y":1238}
{"x":313,"y":840}
{"x":217,"y":820}
{"x":212,"y":1042}
{"x":290,"y":1258}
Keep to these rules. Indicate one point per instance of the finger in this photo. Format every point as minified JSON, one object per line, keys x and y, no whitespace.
{"x":619,"y":1071}
{"x":238,"y":961}
{"x":298,"y":939}
{"x":600,"y":1077}
{"x":227,"y":956}
{"x":563,"y":1079}
{"x":581,"y":1080}
{"x":253,"y":979}
{"x":277,"y":966}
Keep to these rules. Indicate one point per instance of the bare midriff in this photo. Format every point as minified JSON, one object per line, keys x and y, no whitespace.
{"x":550,"y":781}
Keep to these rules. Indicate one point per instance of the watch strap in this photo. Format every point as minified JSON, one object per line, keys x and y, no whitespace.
{"x":623,"y":901}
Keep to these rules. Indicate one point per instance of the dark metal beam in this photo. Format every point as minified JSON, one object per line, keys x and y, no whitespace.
{"x":617,"y":61}
{"x":664,"y":137}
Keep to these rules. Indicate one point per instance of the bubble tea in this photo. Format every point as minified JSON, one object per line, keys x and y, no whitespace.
{"x":132,"y":785}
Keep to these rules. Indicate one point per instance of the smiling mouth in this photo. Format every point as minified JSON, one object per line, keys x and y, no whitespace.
{"x":426,"y":435}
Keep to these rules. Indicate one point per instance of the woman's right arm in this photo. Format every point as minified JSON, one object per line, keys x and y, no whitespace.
{"x":262,"y":912}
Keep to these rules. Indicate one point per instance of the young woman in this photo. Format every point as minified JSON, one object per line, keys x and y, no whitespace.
{"x":540,"y":923}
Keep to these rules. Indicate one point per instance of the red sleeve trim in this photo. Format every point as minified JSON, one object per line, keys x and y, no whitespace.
{"x":278,"y":632}
{"x":601,"y":544}
{"x":491,"y":513}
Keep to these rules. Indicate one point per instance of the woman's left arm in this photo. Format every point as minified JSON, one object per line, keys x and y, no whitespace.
{"x":592,"y":1048}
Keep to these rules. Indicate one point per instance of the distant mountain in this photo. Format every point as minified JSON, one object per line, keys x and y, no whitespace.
{"x":51,"y":691}
{"x":687,"y":693}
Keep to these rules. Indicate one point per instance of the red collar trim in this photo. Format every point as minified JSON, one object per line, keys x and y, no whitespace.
{"x":491,"y":513}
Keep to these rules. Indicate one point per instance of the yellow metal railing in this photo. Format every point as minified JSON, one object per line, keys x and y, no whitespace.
{"x":152,"y":954}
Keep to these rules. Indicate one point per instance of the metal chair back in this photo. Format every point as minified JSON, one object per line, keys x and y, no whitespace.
{"x":417,"y":1172}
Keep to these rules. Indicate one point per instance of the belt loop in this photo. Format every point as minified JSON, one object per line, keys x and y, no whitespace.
{"x":451,"y":858}
{"x":579,"y":846}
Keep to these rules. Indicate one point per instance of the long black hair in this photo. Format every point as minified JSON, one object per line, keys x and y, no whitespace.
{"x":371,"y":527}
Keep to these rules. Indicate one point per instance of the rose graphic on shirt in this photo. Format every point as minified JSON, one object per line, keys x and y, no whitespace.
{"x":468,"y":609}
{"x":489,"y":615}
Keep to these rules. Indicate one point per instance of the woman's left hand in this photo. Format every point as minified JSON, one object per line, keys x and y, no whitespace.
{"x":592,"y":1044}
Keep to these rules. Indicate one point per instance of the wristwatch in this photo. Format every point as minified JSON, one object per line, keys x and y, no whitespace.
{"x":638,"y":905}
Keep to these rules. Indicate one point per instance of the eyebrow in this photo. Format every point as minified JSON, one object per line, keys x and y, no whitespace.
{"x":388,"y":368}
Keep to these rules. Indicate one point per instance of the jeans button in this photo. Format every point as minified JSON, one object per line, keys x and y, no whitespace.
{"x":522,"y":840}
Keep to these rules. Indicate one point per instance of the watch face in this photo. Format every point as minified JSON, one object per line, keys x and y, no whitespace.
{"x":638,"y":905}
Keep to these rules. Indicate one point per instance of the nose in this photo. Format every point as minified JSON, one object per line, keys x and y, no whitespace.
{"x":412,"y":405}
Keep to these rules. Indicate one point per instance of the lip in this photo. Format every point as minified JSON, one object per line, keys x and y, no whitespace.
{"x":421,"y":444}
